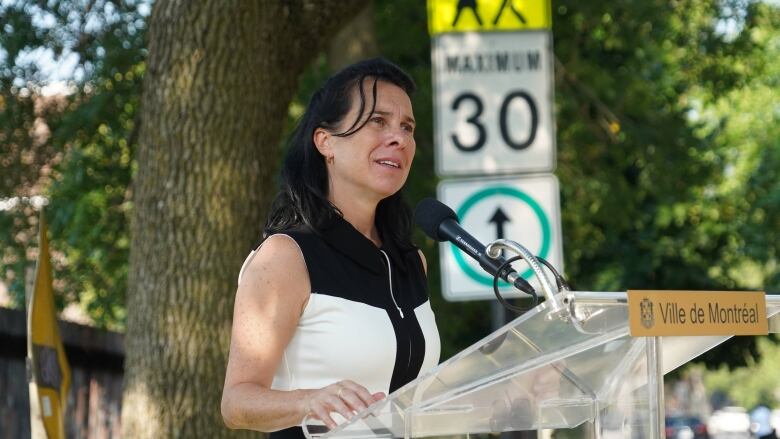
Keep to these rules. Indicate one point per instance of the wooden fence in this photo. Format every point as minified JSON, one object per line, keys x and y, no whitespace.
{"x":96,"y":359}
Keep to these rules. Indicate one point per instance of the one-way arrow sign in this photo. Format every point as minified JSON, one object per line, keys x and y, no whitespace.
{"x":499,"y":218}
{"x":522,"y":209}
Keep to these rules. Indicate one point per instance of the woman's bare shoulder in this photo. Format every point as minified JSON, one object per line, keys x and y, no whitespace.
{"x":277,"y":266}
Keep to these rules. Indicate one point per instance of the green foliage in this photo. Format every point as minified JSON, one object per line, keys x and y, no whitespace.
{"x":750,"y":139}
{"x":636,"y":176}
{"x":82,"y":161}
{"x":644,"y":177}
{"x":757,"y":383}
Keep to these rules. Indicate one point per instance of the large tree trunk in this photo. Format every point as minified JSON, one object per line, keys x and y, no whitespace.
{"x":219,"y":80}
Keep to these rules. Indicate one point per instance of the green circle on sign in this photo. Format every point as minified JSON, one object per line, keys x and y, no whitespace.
{"x":511,"y":192}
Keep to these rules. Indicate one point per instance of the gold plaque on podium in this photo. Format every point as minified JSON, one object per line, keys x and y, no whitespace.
{"x":668,"y":313}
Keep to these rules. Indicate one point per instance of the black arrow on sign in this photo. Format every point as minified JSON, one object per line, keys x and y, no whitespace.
{"x":499,"y":218}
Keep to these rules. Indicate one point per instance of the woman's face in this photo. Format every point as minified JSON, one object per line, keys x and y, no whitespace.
{"x":374,"y":162}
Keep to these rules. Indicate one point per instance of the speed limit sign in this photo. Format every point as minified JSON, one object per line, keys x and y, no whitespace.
{"x":493,"y":103}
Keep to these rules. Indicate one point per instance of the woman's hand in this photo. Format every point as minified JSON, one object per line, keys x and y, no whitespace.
{"x":344,"y":397}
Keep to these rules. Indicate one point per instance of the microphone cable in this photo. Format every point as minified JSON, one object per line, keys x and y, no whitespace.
{"x":560,"y":283}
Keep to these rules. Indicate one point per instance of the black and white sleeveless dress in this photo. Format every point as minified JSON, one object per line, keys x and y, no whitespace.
{"x":368,"y":318}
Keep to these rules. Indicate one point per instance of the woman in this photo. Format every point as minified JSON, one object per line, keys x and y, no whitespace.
{"x":331,"y":312}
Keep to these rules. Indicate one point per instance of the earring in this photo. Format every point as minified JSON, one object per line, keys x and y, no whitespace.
{"x":330,"y":159}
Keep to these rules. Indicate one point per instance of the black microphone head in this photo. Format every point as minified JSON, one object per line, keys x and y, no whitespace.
{"x":429,"y":214}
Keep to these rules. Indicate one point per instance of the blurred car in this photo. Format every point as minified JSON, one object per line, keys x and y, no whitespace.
{"x":729,"y":423}
{"x":685,"y":427}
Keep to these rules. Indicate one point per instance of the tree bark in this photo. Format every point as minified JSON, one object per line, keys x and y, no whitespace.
{"x":220,"y":77}
{"x":355,"y":40}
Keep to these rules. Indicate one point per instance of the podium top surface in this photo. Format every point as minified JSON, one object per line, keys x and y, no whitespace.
{"x":539,"y":371}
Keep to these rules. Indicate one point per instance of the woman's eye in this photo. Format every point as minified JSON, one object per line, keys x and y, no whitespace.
{"x":408,"y":128}
{"x":377,"y":120}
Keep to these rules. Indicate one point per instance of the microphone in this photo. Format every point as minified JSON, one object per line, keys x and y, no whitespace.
{"x":440,"y":223}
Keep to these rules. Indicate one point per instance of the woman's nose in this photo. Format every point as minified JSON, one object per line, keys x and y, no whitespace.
{"x":399,"y":136}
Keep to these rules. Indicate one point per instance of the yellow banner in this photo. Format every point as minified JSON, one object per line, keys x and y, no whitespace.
{"x":50,"y":369}
{"x":487,"y":15}
{"x":669,"y":313}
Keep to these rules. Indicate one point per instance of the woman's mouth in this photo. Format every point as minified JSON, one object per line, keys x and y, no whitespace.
{"x":389,"y":163}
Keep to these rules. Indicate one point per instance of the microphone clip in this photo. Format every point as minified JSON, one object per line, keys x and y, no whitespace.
{"x":494,"y":250}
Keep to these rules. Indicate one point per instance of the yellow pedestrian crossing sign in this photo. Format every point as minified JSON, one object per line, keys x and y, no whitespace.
{"x":487,"y":15}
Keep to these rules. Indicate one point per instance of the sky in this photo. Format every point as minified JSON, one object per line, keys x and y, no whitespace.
{"x":56,"y":72}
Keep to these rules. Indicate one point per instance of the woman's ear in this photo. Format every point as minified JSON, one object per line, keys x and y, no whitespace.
{"x":321,"y":140}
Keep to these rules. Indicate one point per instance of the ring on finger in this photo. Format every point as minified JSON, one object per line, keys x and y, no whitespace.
{"x":339,"y":393}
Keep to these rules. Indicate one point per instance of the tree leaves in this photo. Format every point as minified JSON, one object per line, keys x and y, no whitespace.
{"x":74,"y":148}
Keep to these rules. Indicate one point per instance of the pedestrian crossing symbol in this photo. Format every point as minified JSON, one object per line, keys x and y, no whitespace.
{"x":487,"y":15}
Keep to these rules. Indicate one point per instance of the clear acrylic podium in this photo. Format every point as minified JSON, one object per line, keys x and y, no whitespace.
{"x":544,"y":371}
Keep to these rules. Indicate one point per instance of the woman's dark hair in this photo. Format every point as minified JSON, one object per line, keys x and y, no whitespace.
{"x":303,"y":195}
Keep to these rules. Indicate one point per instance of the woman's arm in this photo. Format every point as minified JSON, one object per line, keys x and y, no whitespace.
{"x":270,"y":298}
{"x":424,"y":262}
